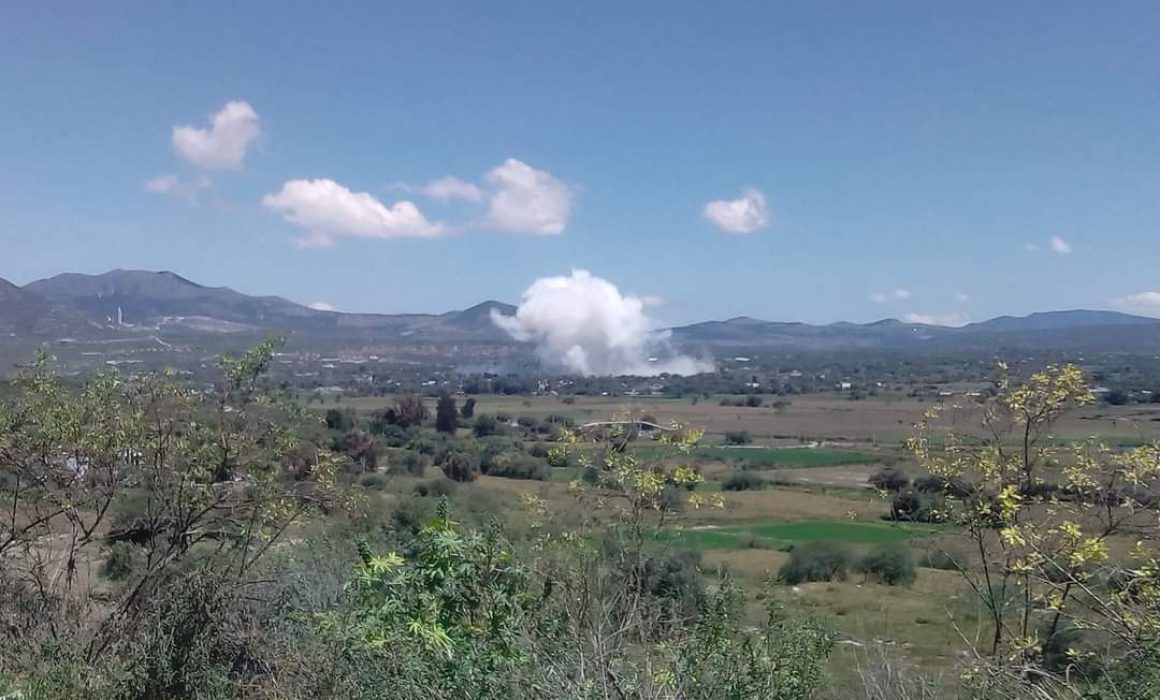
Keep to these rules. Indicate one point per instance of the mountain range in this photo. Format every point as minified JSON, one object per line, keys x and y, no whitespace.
{"x":163,"y":304}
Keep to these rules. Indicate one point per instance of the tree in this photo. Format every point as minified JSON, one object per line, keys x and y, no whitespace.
{"x":1042,"y":516}
{"x":446,"y":415}
{"x":467,"y":411}
{"x":198,"y":483}
{"x":408,"y":411}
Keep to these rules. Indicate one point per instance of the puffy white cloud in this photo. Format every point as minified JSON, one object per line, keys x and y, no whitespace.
{"x":953,"y":319}
{"x":526,"y":200}
{"x":1060,"y":246}
{"x":1147,"y":303}
{"x":583,"y":324}
{"x":175,"y":186}
{"x":447,"y":188}
{"x":320,"y":306}
{"x":962,"y":298}
{"x":743,"y":215}
{"x":329,"y":211}
{"x":224,"y":143}
{"x":896,"y":295}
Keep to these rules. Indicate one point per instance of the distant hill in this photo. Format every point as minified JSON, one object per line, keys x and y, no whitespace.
{"x":1075,"y":329}
{"x":27,"y":314}
{"x":145,"y":304}
{"x":165,"y":301}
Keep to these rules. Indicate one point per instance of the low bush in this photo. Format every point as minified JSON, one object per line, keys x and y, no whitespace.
{"x":738,"y":437}
{"x":461,"y":466}
{"x":743,"y":481}
{"x":119,"y":564}
{"x":889,"y":479}
{"x":517,"y":465}
{"x":373,"y":481}
{"x":436,"y":488}
{"x":913,"y":507}
{"x":816,"y":561}
{"x":891,"y":563}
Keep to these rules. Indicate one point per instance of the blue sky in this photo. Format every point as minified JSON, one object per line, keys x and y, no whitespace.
{"x":924,"y":154}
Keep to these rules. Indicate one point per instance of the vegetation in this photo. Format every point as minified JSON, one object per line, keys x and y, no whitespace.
{"x":824,"y":560}
{"x":165,"y":540}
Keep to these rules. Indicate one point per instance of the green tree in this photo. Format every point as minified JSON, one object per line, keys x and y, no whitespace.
{"x":446,"y":416}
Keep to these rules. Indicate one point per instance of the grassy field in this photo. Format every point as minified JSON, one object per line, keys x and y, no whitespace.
{"x":818,"y":494}
{"x":875,"y":421}
{"x":774,"y":533}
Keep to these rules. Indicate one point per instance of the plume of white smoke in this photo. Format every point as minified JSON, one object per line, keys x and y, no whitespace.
{"x":583,"y":324}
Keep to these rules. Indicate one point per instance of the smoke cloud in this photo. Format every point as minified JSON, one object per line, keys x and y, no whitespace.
{"x":583,"y":324}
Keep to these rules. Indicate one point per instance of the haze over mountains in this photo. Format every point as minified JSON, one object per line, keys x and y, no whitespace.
{"x":163,"y":304}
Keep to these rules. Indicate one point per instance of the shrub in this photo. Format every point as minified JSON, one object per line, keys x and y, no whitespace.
{"x":911,"y":506}
{"x":516,"y":465}
{"x":408,"y":462}
{"x":890,"y":562}
{"x":461,"y":466}
{"x":889,"y":479}
{"x":738,"y":437}
{"x":485,"y":425}
{"x":467,"y":411}
{"x":436,"y":488}
{"x":372,"y":481}
{"x":753,"y":401}
{"x":816,"y":561}
{"x":119,"y":564}
{"x":744,"y":481}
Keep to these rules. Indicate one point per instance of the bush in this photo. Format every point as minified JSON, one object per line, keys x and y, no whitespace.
{"x":890,"y":563}
{"x":816,"y":561}
{"x":516,"y":465}
{"x":408,"y":462}
{"x":372,"y":481}
{"x":744,"y":481}
{"x":436,"y":488}
{"x":753,"y":401}
{"x":889,"y":479}
{"x":485,"y":425}
{"x":738,"y":437}
{"x":119,"y":564}
{"x":913,"y":507}
{"x":461,"y":466}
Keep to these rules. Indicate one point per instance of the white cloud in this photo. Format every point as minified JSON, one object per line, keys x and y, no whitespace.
{"x":320,"y":306}
{"x":526,"y":200}
{"x":1147,"y":303}
{"x":177,"y":187}
{"x":329,"y":211}
{"x":962,"y":298}
{"x":1060,"y":246}
{"x":224,"y":144}
{"x":953,"y":319}
{"x":447,"y":188}
{"x":896,"y":295}
{"x":743,"y":215}
{"x":583,"y":324}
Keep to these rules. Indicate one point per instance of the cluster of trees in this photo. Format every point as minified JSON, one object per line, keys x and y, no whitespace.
{"x":160,"y":542}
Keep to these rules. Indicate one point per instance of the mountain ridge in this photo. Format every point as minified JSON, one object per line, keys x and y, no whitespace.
{"x":166,"y":301}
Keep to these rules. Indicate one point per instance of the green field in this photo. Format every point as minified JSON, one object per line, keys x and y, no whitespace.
{"x":727,"y":538}
{"x":789,"y":457}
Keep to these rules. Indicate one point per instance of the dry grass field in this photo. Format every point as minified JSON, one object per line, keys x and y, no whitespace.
{"x":874,"y":421}
{"x":928,"y":625}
